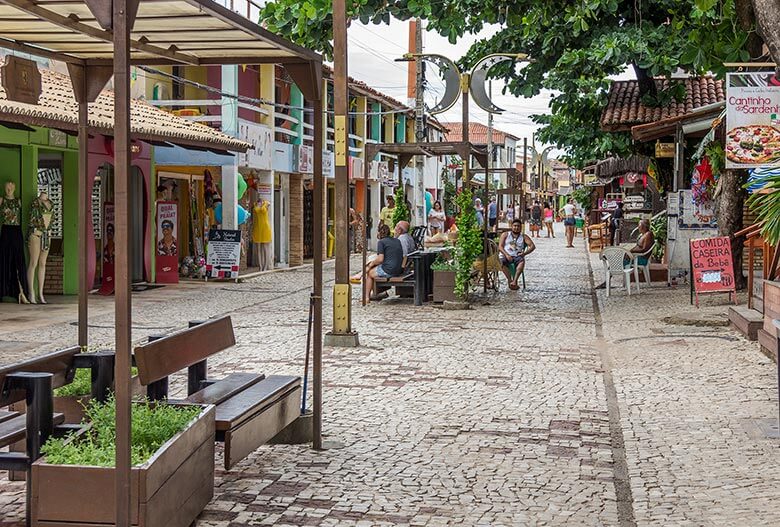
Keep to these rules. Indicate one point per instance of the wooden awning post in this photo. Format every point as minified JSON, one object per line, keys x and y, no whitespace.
{"x":123,"y":22}
{"x":318,"y":225}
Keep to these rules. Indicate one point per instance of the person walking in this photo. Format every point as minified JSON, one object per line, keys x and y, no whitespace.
{"x":536,"y":219}
{"x":569,"y":221}
{"x":492,"y":214}
{"x":480,"y":212}
{"x":548,"y":220}
{"x":436,"y":219}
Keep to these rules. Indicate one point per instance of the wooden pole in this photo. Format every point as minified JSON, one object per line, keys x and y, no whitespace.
{"x":318,"y":208}
{"x":122,"y":307}
{"x":84,"y":222}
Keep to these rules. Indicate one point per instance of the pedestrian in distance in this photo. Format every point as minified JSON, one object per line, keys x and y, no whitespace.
{"x":548,"y":220}
{"x":513,"y":247}
{"x":536,"y":219}
{"x":480,"y":212}
{"x":569,"y":221}
{"x":386,"y":214}
{"x":614,"y":224}
{"x":436,"y":218}
{"x":492,"y":214}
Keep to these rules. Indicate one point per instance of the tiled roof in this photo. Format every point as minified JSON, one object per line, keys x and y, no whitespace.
{"x":625,"y":110}
{"x":478,"y":133}
{"x":57,"y":108}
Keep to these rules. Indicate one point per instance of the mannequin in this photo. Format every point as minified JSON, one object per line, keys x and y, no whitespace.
{"x":13,"y":280}
{"x":262,"y":235}
{"x":41,"y":212}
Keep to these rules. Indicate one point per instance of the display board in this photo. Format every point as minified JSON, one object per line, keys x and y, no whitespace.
{"x":752,"y":120}
{"x":50,"y":181}
{"x":712,"y":266}
{"x":223,"y":255}
{"x":107,"y":284}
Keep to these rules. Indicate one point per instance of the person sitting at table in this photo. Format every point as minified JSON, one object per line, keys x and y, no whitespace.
{"x":387,"y":263}
{"x":643,"y":243}
{"x":513,"y":247}
{"x":407,"y":242}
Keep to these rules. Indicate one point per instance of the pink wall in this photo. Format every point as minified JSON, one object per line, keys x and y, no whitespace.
{"x":101,"y":151}
{"x":248,"y":86}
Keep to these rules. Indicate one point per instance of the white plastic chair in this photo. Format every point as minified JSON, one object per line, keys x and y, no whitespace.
{"x":645,"y":268}
{"x":614,"y":259}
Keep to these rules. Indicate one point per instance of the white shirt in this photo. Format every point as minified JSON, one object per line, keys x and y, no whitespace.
{"x":569,"y":209}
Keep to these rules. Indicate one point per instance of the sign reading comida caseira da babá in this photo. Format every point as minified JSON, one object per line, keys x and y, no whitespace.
{"x":752,"y":120}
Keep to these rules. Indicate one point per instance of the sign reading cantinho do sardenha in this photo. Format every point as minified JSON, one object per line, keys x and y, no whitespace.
{"x":712,"y":266}
{"x":752,"y":120}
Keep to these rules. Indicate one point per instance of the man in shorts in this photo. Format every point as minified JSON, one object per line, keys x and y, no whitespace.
{"x":388,"y":262}
{"x":513,"y":247}
{"x":569,"y":221}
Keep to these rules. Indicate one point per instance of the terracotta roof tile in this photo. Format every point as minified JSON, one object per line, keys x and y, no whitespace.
{"x":478,"y":133}
{"x":624,"y":108}
{"x":57,"y":107}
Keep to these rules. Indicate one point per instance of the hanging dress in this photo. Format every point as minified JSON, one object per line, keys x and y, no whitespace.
{"x":13,"y":273}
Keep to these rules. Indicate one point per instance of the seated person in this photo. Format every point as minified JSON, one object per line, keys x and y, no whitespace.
{"x":513,"y":247}
{"x":644,"y":243}
{"x":406,"y":239}
{"x":388,"y":261}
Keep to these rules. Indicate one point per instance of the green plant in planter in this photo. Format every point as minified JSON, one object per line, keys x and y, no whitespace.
{"x":659,"y":227}
{"x":82,"y":384}
{"x":450,"y":192}
{"x":152,"y":424}
{"x":469,"y":245}
{"x":401,"y":211}
{"x":443,"y":264}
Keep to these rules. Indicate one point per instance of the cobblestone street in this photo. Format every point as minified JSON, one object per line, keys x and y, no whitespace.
{"x":550,"y":406}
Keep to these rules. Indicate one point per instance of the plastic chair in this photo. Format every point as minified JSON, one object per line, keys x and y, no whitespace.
{"x":645,"y":268}
{"x":614,"y":259}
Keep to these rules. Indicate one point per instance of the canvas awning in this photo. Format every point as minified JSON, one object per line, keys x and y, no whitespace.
{"x":58,"y":108}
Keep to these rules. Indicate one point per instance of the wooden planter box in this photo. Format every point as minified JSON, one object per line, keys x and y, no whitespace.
{"x":169,"y":490}
{"x":73,"y":405}
{"x":444,"y":286}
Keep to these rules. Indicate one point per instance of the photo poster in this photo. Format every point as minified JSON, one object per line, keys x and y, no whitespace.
{"x":223,"y":256}
{"x":167,"y":243}
{"x":752,"y":120}
{"x":108,"y":250}
{"x":712,"y":266}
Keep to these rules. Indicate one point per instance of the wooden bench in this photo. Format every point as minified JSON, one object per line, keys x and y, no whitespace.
{"x":250,"y":408}
{"x":31,"y":384}
{"x":403,"y":284}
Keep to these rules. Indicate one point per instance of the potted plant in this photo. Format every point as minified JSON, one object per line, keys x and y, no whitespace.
{"x":172,"y":478}
{"x":469,"y":245}
{"x":444,"y":272}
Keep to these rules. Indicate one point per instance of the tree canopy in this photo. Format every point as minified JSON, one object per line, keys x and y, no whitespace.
{"x":575,"y":46}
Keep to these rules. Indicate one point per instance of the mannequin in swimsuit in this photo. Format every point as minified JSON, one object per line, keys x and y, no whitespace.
{"x":41,"y":213}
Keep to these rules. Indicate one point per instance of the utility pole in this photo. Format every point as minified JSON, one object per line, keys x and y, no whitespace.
{"x":488,"y":175}
{"x":419,"y":117}
{"x":341,"y":333}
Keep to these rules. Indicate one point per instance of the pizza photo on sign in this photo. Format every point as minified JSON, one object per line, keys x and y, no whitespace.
{"x":755,"y":144}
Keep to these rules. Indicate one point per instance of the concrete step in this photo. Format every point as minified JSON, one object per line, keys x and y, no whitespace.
{"x":746,"y":321}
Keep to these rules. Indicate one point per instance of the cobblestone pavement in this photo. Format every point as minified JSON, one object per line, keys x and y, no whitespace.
{"x":553,"y":406}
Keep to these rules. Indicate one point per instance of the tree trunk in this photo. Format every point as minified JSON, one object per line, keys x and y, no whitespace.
{"x":746,"y":17}
{"x":729,"y":213}
{"x":767,"y":13}
{"x":645,"y":81}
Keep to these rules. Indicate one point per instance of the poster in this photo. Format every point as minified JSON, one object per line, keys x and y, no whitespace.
{"x":223,"y":254}
{"x":695,"y":216}
{"x":305,"y":159}
{"x":712,"y":265}
{"x":261,"y":139}
{"x":327,"y":164}
{"x":167,"y":240}
{"x":752,"y":120}
{"x":107,"y":284}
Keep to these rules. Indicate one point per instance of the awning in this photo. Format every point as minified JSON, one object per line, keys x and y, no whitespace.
{"x":57,"y":108}
{"x":195,"y":32}
{"x":667,"y":127}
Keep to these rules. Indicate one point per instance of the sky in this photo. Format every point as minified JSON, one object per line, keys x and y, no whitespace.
{"x":372,"y":49}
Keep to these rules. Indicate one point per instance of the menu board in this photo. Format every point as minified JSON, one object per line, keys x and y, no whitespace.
{"x":712,"y":266}
{"x":96,"y":210}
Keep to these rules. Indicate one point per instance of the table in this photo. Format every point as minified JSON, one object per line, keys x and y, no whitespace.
{"x":423,"y":274}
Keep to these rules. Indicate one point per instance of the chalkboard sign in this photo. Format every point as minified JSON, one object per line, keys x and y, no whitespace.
{"x":712,"y":266}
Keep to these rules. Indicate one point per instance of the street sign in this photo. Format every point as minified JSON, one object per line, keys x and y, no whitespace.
{"x":224,"y":254}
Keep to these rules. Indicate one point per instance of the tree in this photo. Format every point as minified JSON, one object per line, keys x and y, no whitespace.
{"x":576,"y":47}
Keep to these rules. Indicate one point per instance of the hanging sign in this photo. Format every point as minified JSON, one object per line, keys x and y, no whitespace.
{"x":223,"y":254}
{"x":305,"y":159}
{"x":107,"y":284}
{"x":167,"y":254}
{"x":752,"y":120}
{"x":664,"y":149}
{"x":21,"y":80}
{"x":712,"y":266}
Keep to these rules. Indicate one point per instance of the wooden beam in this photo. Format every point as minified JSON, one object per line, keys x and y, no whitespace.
{"x":74,"y":24}
{"x":40,"y":52}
